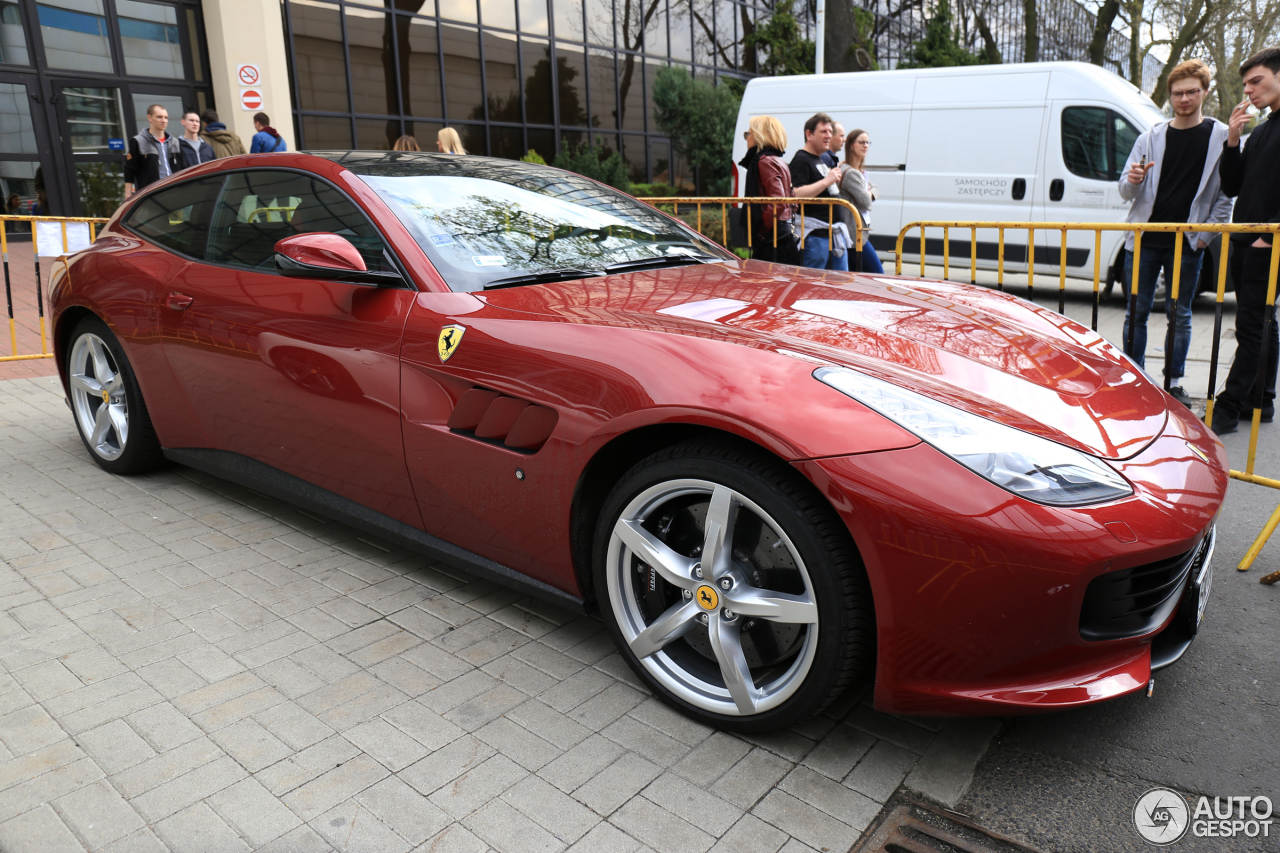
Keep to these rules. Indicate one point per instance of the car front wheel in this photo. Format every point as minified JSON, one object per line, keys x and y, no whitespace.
{"x":107,"y":403}
{"x":731,"y":586}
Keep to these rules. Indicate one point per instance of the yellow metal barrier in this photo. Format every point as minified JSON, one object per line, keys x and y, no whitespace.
{"x":724,"y":202}
{"x":5,"y":223}
{"x":1138,"y":229}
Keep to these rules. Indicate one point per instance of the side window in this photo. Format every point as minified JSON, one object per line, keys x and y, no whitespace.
{"x":1086,"y":148}
{"x":259,"y":208}
{"x":178,"y":218}
{"x":1125,"y":137}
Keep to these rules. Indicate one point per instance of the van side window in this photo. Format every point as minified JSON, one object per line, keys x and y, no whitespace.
{"x":1096,"y":142}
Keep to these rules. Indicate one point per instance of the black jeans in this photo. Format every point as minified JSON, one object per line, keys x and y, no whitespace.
{"x":1249,"y":269}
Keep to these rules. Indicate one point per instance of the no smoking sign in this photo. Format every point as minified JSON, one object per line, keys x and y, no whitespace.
{"x":248,"y":75}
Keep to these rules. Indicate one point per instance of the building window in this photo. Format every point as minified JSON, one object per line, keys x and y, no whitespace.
{"x":75,"y":35}
{"x":149,"y":38}
{"x":13,"y":37}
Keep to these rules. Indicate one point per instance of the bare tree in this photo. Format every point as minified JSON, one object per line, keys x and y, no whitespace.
{"x":1238,"y":32}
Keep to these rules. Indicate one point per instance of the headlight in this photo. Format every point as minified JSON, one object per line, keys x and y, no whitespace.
{"x":1027,"y":465}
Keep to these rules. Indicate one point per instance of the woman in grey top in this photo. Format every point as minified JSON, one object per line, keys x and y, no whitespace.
{"x":856,"y":187}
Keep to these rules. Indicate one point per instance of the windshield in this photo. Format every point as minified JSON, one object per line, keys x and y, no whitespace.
{"x":483,"y":221}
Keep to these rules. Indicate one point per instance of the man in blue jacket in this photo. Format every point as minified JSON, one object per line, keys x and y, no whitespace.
{"x":267,"y":140}
{"x":1172,"y":176}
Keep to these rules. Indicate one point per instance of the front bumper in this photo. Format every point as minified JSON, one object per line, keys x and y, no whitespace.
{"x":978,"y":592}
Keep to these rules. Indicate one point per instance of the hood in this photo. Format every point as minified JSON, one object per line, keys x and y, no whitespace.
{"x":989,"y":353}
{"x":219,"y":133}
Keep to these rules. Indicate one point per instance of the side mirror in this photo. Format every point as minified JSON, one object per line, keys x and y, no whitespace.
{"x":327,"y":256}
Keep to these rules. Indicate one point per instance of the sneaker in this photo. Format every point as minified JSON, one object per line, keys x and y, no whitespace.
{"x":1225,"y":422}
{"x":1180,"y":395}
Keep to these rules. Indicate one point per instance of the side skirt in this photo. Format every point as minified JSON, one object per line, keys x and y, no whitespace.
{"x":261,"y":477}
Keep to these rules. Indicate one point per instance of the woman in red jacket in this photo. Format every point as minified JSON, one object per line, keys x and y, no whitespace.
{"x":768,"y":175}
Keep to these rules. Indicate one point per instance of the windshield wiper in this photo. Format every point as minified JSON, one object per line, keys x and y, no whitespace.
{"x":541,"y":278}
{"x":655,"y":263}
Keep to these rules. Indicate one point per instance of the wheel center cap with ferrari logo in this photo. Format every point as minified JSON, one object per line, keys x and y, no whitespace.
{"x":706,"y":597}
{"x":106,"y":396}
{"x":450,"y":337}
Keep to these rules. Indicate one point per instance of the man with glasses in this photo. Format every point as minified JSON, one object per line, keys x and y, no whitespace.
{"x":1172,"y":176}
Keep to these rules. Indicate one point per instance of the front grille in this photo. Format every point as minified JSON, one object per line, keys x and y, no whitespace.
{"x":1132,"y":602}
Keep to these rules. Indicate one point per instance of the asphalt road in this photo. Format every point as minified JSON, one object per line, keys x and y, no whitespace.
{"x":1069,"y":781}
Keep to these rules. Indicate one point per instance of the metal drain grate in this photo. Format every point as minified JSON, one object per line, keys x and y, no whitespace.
{"x":908,"y":826}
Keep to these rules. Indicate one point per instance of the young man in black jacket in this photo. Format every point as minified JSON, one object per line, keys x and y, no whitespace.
{"x":153,"y":154}
{"x":1252,"y":174}
{"x":194,"y":149}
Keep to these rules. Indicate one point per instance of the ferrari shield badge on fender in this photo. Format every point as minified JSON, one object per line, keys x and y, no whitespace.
{"x":450,"y":337}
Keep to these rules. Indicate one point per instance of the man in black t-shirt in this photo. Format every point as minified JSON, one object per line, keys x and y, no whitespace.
{"x":1252,"y":174}
{"x":811,"y":177}
{"x":1172,"y":176}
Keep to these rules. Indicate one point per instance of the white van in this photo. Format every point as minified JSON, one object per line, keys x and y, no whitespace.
{"x":1039,"y":141}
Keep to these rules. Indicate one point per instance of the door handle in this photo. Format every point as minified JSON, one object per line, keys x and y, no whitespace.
{"x":179,"y":301}
{"x":1056,"y":189}
{"x":1019,"y":188}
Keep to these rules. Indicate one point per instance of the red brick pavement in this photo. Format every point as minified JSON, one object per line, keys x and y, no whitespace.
{"x":22,"y":285}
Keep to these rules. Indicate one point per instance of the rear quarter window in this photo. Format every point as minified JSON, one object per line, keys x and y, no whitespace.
{"x":178,"y":218}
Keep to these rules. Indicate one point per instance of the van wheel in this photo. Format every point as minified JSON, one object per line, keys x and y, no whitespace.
{"x":731,"y":587}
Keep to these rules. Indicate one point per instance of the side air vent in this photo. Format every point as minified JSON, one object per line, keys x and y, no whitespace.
{"x":1131,"y":602}
{"x":498,"y":419}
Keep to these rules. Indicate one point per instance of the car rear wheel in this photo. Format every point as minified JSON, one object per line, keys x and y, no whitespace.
{"x":110,"y":414}
{"x":731,"y":587}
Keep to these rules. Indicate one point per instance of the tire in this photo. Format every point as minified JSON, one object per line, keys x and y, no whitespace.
{"x":107,"y":404}
{"x":803,"y":626}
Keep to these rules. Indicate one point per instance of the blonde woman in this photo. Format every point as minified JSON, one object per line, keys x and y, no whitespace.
{"x":768,"y":175}
{"x":406,"y":143}
{"x":448,"y":142}
{"x":856,"y":187}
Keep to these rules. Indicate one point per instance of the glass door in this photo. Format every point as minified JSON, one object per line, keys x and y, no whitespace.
{"x":94,"y":142}
{"x":28,"y":181}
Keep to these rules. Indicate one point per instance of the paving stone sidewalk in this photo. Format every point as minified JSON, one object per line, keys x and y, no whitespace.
{"x":187,"y":665}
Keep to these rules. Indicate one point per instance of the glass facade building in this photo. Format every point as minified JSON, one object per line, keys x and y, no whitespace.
{"x":510,"y":75}
{"x":76,"y":78}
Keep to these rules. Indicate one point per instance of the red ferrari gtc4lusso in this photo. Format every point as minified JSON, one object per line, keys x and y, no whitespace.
{"x":764,"y":478}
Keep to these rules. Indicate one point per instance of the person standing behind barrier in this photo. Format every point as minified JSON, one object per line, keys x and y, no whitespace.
{"x":448,"y":142}
{"x":153,"y":154}
{"x":1252,"y":174}
{"x":857,"y":188}
{"x":224,"y":142}
{"x":836,"y":146}
{"x":1172,"y":176}
{"x":194,"y":149}
{"x":812,"y":177}
{"x":406,"y":143}
{"x":768,"y":176}
{"x":267,"y":140}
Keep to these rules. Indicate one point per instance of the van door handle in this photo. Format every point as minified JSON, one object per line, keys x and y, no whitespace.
{"x":179,"y":301}
{"x":1019,"y":189}
{"x":1056,"y":189}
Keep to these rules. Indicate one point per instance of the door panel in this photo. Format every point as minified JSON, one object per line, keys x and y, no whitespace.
{"x":1085,"y":149}
{"x":302,"y":374}
{"x":972,"y":164}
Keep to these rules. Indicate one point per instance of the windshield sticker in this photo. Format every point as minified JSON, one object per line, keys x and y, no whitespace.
{"x":441,"y":239}
{"x":489,"y":260}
